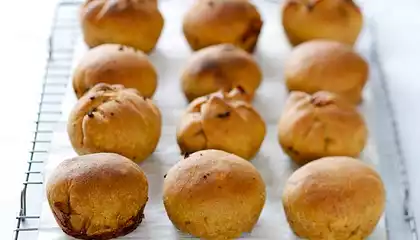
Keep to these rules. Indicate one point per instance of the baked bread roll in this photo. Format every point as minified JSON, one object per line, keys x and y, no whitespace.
{"x":222,"y":121}
{"x":220,"y":67}
{"x":97,"y":196}
{"x":341,"y":198}
{"x":211,"y":22}
{"x":304,"y":20}
{"x":115,"y":64}
{"x":320,"y":125}
{"x":326,"y":65}
{"x":134,"y":23}
{"x":111,"y":118}
{"x":222,"y":199}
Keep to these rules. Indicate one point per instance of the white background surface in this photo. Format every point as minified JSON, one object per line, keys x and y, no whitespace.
{"x":23,"y":48}
{"x":23,"y":43}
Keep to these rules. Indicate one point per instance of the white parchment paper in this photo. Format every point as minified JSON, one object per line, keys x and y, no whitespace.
{"x":170,"y":55}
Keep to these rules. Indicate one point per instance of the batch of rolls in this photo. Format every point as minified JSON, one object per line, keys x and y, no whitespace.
{"x":214,"y":191}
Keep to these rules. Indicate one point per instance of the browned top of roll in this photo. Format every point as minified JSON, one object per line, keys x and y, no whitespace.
{"x":305,"y":20}
{"x":115,"y":64}
{"x":212,"y":22}
{"x":322,"y":124}
{"x":214,"y":195}
{"x":222,"y":121}
{"x":97,"y":195}
{"x":135,"y":23}
{"x":220,"y":67}
{"x":324,"y":65}
{"x":111,"y":118}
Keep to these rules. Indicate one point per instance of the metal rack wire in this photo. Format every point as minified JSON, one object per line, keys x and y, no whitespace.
{"x":57,"y":73}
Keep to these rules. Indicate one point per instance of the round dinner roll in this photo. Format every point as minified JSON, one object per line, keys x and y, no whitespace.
{"x":220,"y":67}
{"x":223,"y":121}
{"x":214,"y":195}
{"x":338,"y":198}
{"x":111,"y":118}
{"x":305,"y":20}
{"x":97,"y":196}
{"x":115,"y":64}
{"x":212,"y":22}
{"x":134,"y":23}
{"x":320,"y":125}
{"x":327,"y":65}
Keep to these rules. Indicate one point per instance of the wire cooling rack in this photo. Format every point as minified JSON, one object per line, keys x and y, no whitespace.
{"x":57,"y":73}
{"x":65,"y":31}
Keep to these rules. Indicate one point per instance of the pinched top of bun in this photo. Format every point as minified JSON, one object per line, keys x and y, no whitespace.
{"x":224,"y":121}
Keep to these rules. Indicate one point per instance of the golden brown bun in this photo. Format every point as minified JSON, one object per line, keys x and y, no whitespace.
{"x":115,"y":64}
{"x":134,"y":23}
{"x":326,"y":65}
{"x":111,"y":118}
{"x":222,"y":121}
{"x":338,"y":198}
{"x":220,"y":67}
{"x":320,"y":125}
{"x":97,"y":196}
{"x":211,"y":22}
{"x":214,"y":195}
{"x":305,"y":20}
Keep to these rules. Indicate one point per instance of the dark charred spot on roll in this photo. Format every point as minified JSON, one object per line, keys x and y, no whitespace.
{"x":327,"y":143}
{"x":224,"y":115}
{"x":112,"y":114}
{"x":121,"y":48}
{"x":343,"y":11}
{"x":164,"y":176}
{"x":292,"y":150}
{"x":92,"y":98}
{"x":187,"y":222}
{"x":354,"y":232}
{"x":90,"y":113}
{"x":310,"y":6}
{"x":62,"y":207}
{"x":209,"y":65}
{"x":241,"y":89}
{"x":205,"y":176}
